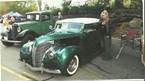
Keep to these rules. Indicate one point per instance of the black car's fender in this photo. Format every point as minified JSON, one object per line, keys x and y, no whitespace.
{"x":25,"y":32}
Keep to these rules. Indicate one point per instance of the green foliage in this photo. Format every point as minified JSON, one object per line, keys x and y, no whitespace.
{"x":66,"y":6}
{"x":120,"y":29}
{"x":136,"y":4}
{"x":55,"y":10}
{"x":93,"y":7}
{"x":27,"y":6}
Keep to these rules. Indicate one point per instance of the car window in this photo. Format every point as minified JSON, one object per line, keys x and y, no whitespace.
{"x":45,"y":17}
{"x":91,"y":26}
{"x":33,"y":17}
{"x":37,"y":17}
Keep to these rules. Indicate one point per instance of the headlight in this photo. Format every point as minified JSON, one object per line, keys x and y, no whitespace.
{"x":18,"y":29}
{"x":50,"y":53}
{"x":30,"y":49}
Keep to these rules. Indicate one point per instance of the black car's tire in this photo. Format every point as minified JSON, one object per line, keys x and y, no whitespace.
{"x":26,"y":39}
{"x":7,"y":43}
{"x":72,"y":66}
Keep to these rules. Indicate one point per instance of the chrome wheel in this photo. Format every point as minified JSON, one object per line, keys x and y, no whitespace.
{"x":73,"y":65}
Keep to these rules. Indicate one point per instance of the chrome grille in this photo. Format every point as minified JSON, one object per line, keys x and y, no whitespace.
{"x":37,"y":53}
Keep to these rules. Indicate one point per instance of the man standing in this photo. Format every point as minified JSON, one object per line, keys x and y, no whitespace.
{"x":105,"y":34}
{"x":59,"y":16}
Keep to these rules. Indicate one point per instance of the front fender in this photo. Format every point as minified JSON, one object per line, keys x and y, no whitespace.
{"x":66,"y":54}
{"x":21,"y":34}
{"x":24,"y":56}
{"x":24,"y":32}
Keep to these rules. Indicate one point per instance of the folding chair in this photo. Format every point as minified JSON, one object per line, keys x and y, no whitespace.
{"x":132,"y":36}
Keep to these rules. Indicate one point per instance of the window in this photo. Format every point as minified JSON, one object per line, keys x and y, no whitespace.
{"x":90,"y":27}
{"x":33,"y":17}
{"x":45,"y":17}
{"x":37,"y":17}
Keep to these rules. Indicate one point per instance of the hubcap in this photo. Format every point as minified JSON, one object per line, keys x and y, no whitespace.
{"x":73,"y":65}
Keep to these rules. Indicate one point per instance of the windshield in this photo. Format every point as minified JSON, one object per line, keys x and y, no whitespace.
{"x":68,"y":27}
{"x":33,"y":17}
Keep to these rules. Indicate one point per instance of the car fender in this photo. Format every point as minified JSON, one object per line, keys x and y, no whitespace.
{"x":66,"y":54}
{"x":24,"y":32}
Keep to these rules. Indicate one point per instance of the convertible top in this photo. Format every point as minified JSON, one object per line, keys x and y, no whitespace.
{"x":79,"y":20}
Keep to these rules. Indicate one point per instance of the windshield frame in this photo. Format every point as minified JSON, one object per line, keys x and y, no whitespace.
{"x":72,"y":30}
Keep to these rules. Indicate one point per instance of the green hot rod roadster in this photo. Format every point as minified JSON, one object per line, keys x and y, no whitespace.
{"x":61,"y":51}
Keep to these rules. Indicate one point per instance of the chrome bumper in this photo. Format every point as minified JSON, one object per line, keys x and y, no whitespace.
{"x":42,"y":69}
{"x":10,"y":41}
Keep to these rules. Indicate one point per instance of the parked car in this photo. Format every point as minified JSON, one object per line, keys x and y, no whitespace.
{"x":38,"y":23}
{"x":61,"y":51}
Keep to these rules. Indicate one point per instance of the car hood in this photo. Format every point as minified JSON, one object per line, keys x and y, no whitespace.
{"x":26,"y":22}
{"x":55,"y":36}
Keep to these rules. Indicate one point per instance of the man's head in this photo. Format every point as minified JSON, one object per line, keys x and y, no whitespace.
{"x":59,"y":13}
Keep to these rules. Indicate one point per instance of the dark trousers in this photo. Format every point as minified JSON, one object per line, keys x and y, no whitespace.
{"x":106,"y":42}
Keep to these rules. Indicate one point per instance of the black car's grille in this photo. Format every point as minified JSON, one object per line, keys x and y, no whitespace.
{"x":38,"y":53}
{"x":13,"y":33}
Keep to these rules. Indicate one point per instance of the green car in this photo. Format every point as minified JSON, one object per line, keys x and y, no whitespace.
{"x":36,"y":24}
{"x":61,"y":51}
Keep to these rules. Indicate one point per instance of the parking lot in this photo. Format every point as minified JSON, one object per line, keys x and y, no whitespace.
{"x":127,"y":66}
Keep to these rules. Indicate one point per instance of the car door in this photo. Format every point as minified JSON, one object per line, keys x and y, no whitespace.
{"x":46,"y":23}
{"x":33,"y":23}
{"x":91,"y":38}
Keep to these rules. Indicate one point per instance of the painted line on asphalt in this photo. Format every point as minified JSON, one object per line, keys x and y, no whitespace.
{"x":29,"y":75}
{"x":15,"y":73}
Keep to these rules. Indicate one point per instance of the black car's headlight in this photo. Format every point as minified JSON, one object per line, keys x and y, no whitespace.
{"x":19,"y":29}
{"x":50,"y":52}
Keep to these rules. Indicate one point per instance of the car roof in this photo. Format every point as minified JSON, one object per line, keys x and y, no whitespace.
{"x":79,"y":20}
{"x":39,"y":12}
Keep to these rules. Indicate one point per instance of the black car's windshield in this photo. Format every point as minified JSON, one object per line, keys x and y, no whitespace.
{"x":33,"y":17}
{"x":71,"y":27}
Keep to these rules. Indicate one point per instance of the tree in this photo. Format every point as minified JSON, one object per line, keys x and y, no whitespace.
{"x":65,"y":6}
